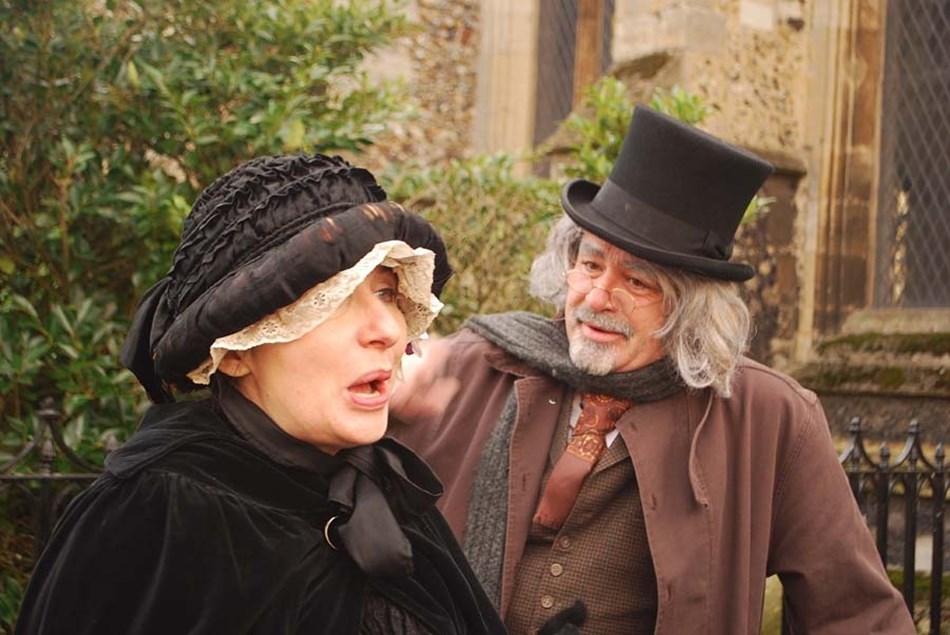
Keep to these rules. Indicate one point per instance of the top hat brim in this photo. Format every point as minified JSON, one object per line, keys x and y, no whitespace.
{"x":577,"y":199}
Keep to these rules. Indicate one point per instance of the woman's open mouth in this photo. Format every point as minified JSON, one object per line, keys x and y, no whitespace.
{"x":371,"y":390}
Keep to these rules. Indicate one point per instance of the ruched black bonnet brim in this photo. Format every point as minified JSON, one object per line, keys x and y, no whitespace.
{"x":255,"y":241}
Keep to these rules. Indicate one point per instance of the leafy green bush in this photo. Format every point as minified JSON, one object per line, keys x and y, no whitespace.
{"x":680,"y":104}
{"x":71,"y":351}
{"x":11,"y":594}
{"x":493,"y":223}
{"x":16,"y":544}
{"x":113,"y":116}
{"x":599,"y":127}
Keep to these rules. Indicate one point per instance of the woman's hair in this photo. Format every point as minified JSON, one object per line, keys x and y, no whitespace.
{"x":707,"y":326}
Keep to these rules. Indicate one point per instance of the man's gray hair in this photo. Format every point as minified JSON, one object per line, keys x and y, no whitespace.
{"x":707,"y":326}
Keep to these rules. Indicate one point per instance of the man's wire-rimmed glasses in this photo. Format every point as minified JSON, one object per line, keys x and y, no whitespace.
{"x":624,"y":300}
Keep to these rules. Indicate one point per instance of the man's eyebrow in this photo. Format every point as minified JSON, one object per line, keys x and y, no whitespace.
{"x":629,"y":262}
{"x":635,"y":264}
{"x":590,"y":250}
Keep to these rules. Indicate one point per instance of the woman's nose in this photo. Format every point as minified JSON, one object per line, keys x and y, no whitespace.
{"x":384,"y":326}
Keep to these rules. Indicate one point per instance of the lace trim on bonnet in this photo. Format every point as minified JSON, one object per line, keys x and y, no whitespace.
{"x":413,"y":268}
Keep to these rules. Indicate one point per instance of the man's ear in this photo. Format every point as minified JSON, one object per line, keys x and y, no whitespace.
{"x":233,"y":364}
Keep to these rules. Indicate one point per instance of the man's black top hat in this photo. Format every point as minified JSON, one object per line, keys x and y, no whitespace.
{"x":675,"y":197}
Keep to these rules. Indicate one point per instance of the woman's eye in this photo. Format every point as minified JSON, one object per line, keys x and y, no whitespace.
{"x":387,"y":294}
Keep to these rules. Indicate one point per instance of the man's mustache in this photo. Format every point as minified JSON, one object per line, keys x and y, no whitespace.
{"x":585,"y":314}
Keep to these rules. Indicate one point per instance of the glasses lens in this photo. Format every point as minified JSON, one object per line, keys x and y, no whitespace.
{"x":622,"y":300}
{"x":578,"y":281}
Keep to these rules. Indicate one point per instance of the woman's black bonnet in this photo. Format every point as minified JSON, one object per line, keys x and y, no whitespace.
{"x":255,"y":240}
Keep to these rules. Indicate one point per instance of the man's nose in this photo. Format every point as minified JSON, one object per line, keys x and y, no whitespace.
{"x":599,"y":298}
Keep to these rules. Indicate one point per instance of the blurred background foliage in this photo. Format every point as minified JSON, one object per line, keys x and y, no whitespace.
{"x":115,"y":115}
{"x":493,"y":223}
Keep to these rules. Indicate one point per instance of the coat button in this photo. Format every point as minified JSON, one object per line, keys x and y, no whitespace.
{"x":547,"y":601}
{"x":556,"y":569}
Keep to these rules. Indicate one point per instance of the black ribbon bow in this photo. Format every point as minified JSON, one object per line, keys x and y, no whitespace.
{"x":379,"y":487}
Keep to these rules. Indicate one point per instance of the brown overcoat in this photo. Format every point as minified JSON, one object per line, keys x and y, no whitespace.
{"x":733,"y":490}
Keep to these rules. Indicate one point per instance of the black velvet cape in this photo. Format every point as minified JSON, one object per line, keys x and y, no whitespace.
{"x":194,"y":530}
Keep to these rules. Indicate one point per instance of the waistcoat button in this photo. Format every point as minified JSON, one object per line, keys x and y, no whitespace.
{"x":556,"y":569}
{"x":547,"y":601}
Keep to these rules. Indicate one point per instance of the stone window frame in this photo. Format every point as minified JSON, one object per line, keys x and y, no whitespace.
{"x":844,"y":118}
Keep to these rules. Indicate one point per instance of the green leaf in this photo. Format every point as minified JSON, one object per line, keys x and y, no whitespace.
{"x":157,"y":78}
{"x":25,"y":305}
{"x":73,"y":431}
{"x":132,"y":73}
{"x":294,"y":135}
{"x":70,"y":350}
{"x":61,"y":317}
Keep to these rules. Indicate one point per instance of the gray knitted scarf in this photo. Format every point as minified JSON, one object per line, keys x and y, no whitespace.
{"x":542,"y":344}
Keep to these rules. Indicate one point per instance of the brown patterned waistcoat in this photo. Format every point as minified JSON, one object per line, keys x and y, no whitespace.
{"x":600,"y":555}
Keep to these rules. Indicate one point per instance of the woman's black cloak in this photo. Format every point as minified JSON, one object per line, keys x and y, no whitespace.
{"x":192,"y":529}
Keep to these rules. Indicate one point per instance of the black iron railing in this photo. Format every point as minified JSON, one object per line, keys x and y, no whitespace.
{"x":912,"y":488}
{"x":903,"y":502}
{"x":31,"y":473}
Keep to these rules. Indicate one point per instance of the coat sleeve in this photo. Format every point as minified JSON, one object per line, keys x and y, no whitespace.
{"x":451,"y":442}
{"x":160,"y":554}
{"x":821,"y":547}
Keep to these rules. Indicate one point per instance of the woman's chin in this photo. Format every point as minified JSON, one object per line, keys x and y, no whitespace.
{"x":368,"y":428}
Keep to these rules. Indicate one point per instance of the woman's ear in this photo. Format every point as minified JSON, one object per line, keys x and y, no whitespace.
{"x":233,"y":364}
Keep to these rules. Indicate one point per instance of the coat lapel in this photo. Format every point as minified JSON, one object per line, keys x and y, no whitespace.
{"x":539,"y":403}
{"x":670,"y":509}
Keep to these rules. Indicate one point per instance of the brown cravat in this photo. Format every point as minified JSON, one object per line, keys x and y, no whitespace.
{"x":599,"y":415}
